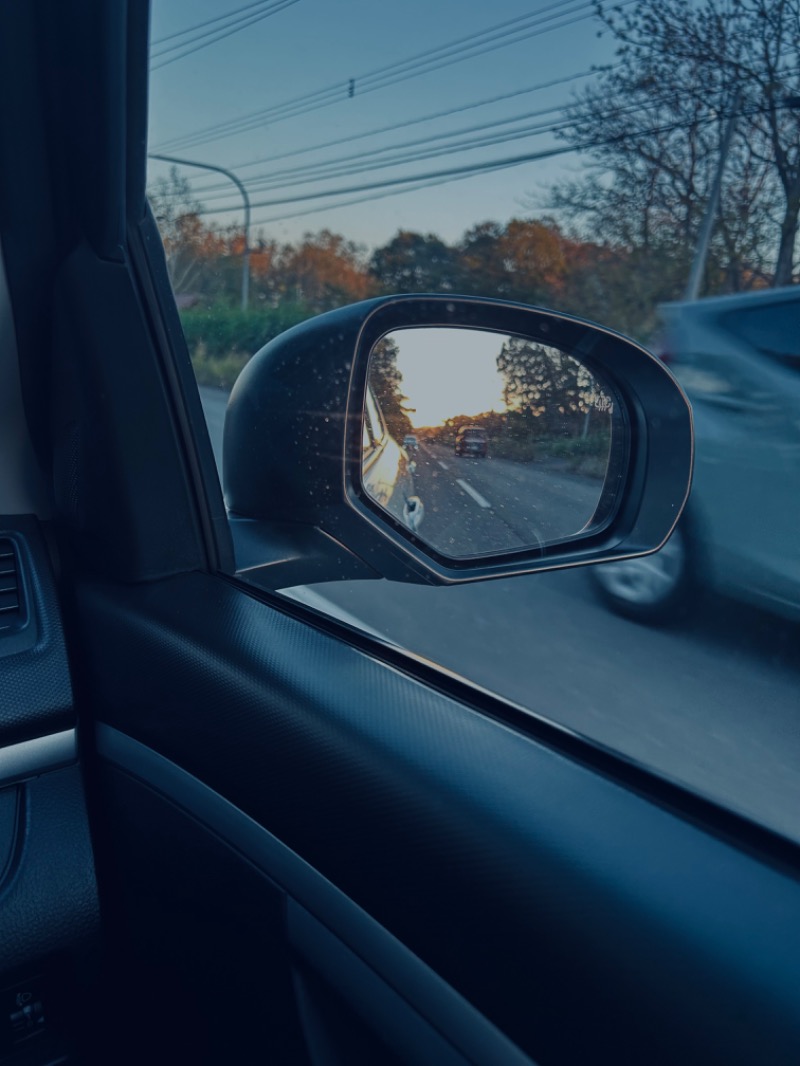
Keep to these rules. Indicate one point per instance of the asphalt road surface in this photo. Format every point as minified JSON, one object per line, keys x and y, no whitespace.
{"x":477,"y":505}
{"x":714,"y":703}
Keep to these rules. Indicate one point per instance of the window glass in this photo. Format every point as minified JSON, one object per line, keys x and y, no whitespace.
{"x":773,"y":330}
{"x":564,"y":155}
{"x":374,"y":418}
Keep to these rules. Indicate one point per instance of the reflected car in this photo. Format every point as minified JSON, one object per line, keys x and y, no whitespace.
{"x":472,"y":440}
{"x":387,"y":472}
{"x":738,"y":358}
{"x":410,"y":443}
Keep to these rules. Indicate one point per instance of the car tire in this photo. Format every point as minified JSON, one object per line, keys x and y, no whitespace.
{"x":654,"y":589}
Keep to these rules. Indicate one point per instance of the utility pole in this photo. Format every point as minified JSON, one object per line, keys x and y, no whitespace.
{"x":704,"y":240}
{"x":231,"y":177}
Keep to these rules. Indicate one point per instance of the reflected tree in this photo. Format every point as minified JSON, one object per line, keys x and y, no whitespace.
{"x":556,"y":408}
{"x":544,"y":383}
{"x":385,"y":381}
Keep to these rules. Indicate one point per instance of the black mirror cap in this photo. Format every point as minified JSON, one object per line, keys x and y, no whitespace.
{"x":292,"y":442}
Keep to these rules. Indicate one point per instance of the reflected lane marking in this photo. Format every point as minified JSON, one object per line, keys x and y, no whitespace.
{"x":441,"y":464}
{"x":471,"y":492}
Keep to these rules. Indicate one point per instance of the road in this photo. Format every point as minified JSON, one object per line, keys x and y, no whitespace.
{"x":713,"y":704}
{"x":479,"y":505}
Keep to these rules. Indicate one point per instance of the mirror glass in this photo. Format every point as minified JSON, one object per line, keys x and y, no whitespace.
{"x":480,"y":442}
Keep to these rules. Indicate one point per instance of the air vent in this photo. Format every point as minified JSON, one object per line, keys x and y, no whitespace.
{"x":11,"y":605}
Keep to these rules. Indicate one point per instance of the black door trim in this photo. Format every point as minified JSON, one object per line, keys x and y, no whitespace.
{"x":323,"y":923}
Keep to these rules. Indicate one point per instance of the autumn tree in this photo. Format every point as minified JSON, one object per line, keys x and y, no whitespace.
{"x":324,"y":271}
{"x":533,"y":256}
{"x":189,"y":244}
{"x":264,"y":253}
{"x":522,"y":260}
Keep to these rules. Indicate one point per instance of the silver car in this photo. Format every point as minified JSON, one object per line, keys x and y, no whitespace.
{"x":738,"y":358}
{"x":387,"y":470}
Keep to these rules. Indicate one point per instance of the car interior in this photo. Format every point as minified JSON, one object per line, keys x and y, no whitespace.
{"x":235,"y":830}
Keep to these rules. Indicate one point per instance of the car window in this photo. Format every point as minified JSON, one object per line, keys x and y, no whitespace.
{"x":374,"y":419}
{"x":564,"y":156}
{"x":772,"y":329}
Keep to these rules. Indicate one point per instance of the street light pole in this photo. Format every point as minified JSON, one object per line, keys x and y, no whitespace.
{"x":704,"y":240}
{"x":231,"y":177}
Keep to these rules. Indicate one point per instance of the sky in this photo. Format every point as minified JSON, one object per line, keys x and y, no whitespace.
{"x":311,"y":45}
{"x":448,"y":372}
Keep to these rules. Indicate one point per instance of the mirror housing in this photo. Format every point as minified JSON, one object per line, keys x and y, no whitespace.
{"x":292,"y":449}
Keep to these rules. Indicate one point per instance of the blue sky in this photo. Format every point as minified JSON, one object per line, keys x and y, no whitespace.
{"x":313,"y":44}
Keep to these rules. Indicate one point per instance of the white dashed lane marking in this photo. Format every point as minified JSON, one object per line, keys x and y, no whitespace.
{"x":441,"y":464}
{"x":481,"y":502}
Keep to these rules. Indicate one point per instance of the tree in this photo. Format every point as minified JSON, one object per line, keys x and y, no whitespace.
{"x":481,"y":269}
{"x":324,"y":271}
{"x":652,"y":126}
{"x":385,"y":380}
{"x":189,"y":243}
{"x":533,"y":256}
{"x":413,"y":262}
{"x":546,"y":384}
{"x":264,"y":284}
{"x":522,"y":260}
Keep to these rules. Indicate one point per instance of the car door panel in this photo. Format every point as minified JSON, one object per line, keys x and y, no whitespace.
{"x":433,"y":818}
{"x":370,"y":972}
{"x":196,"y":929}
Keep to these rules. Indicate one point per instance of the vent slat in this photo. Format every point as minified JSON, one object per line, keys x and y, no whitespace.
{"x":11,"y":607}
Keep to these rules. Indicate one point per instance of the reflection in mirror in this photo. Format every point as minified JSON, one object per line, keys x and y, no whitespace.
{"x":482,"y":443}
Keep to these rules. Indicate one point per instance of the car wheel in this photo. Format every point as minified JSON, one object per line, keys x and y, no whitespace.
{"x":654,"y":589}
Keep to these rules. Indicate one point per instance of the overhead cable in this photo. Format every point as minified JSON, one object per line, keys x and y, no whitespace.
{"x":273,"y":8}
{"x":501,"y":35}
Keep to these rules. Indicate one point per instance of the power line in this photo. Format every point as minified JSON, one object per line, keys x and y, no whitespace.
{"x":334,"y":168}
{"x":472,"y":168}
{"x":276,"y":8}
{"x":410,"y":122}
{"x":392,"y":75}
{"x":414,"y":157}
{"x":363,"y":199}
{"x":220,"y":34}
{"x":418,"y":120}
{"x":266,"y":113}
{"x":482,"y":48}
{"x":423,"y":184}
{"x":201,"y":25}
{"x":479,"y":43}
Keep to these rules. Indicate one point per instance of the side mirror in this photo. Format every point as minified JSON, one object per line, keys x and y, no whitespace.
{"x":443,"y":439}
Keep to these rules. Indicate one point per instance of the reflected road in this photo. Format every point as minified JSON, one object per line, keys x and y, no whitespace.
{"x":482,"y":505}
{"x":713,"y":704}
